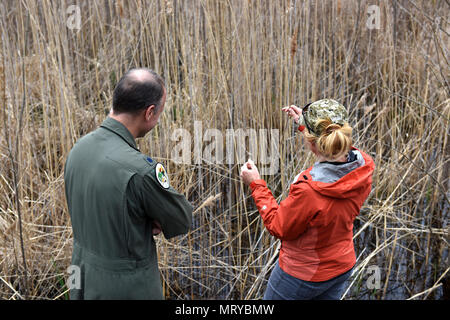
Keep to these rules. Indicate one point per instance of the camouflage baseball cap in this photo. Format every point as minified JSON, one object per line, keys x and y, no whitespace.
{"x":322,"y":109}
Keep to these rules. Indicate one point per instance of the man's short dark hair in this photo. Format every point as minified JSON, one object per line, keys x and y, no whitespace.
{"x":134,"y":93}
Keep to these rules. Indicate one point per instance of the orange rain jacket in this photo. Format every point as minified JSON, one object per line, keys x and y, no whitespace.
{"x":315,"y":221}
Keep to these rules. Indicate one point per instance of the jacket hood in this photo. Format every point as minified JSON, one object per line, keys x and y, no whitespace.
{"x":346,"y":180}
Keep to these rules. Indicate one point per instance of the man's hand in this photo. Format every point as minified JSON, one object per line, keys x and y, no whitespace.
{"x":156,"y":228}
{"x":293,"y":112}
{"x":249,"y":172}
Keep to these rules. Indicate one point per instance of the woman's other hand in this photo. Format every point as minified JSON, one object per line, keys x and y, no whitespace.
{"x":249,"y":172}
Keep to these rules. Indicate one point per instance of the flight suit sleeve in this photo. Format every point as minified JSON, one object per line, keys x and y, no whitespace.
{"x":286,"y":220}
{"x":165,"y":205}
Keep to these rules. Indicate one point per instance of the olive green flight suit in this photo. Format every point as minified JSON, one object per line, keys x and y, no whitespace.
{"x":113,"y":193}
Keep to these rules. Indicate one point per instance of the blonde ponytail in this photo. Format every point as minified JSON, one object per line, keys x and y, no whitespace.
{"x":334,"y":140}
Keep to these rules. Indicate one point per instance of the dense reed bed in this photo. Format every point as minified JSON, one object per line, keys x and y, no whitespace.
{"x":229,"y":65}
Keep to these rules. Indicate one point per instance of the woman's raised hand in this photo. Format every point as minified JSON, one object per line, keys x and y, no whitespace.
{"x":293,"y":112}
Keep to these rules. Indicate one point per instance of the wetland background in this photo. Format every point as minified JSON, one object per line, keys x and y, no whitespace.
{"x":230,"y":64}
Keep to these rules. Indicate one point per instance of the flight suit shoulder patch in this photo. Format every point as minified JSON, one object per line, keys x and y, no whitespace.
{"x":161,"y":176}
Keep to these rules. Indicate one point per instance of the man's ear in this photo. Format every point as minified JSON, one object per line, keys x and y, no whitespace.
{"x":149,"y":112}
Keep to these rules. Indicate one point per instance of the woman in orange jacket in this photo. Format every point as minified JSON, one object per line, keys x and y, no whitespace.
{"x":315,"y":221}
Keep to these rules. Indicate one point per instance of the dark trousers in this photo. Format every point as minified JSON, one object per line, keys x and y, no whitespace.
{"x":282,"y":286}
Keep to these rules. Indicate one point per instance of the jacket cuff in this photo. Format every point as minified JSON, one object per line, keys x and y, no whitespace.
{"x":256,"y":183}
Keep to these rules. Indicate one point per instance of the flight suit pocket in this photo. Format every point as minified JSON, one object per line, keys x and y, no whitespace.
{"x":139,"y":284}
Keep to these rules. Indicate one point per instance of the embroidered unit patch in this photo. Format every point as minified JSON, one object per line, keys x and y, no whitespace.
{"x":161,"y":176}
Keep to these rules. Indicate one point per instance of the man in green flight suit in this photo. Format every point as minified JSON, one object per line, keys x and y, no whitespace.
{"x":119,"y":198}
